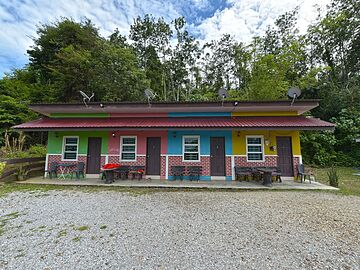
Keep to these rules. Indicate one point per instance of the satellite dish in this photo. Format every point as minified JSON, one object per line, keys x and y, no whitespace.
{"x":223,"y":94}
{"x":294,"y":92}
{"x":86,"y":98}
{"x":149,"y":94}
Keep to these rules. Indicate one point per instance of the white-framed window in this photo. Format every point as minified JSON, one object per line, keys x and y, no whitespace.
{"x":191,"y":148}
{"x":255,"y":148}
{"x":70,"y":148}
{"x":128,"y":148}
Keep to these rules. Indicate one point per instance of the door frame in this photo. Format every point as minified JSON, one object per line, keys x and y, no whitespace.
{"x":88,"y":157}
{"x":224,"y":145}
{"x":291,"y":156}
{"x":147,"y":156}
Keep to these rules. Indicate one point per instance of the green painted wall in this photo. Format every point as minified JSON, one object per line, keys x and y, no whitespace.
{"x":79,"y":115}
{"x":55,"y":140}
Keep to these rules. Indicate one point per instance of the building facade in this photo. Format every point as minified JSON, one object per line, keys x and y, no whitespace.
{"x":216,"y":136}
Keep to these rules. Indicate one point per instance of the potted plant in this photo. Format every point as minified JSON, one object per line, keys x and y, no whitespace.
{"x":22,"y":173}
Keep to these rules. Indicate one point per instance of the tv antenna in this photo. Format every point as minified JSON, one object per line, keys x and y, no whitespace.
{"x":150,"y":95}
{"x":86,"y":98}
{"x":294,"y":93}
{"x":223,"y":94}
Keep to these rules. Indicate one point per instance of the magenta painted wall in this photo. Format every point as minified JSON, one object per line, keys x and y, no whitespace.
{"x":114,"y":142}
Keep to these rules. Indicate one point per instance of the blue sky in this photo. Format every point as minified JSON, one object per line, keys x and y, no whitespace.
{"x":207,"y":19}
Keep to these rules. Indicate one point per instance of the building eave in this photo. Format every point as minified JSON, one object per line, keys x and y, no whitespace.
{"x":299,"y":106}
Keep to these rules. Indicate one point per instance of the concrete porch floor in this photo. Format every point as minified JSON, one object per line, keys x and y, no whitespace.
{"x":159,"y":183}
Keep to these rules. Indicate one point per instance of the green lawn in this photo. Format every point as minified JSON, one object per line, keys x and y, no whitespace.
{"x":348,"y":182}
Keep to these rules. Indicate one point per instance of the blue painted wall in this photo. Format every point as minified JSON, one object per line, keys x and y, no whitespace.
{"x":175,"y":143}
{"x":200,"y":114}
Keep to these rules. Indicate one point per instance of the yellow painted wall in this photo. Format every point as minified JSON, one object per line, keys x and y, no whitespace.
{"x":279,"y":113}
{"x":239,"y":140}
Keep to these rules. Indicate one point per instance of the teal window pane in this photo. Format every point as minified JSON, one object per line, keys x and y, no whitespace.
{"x":69,"y":155}
{"x":191,"y":140}
{"x":128,"y":156}
{"x":254,"y":149}
{"x":129,"y":140}
{"x":71,"y":140}
{"x":191,"y":156}
{"x":128,"y":148}
{"x":253,"y":156}
{"x":256,"y":140}
{"x":70,"y":148}
{"x":191,"y":148}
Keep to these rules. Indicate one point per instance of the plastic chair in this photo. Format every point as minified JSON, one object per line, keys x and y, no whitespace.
{"x":80,"y":168}
{"x":52,"y":170}
{"x":178,"y":171}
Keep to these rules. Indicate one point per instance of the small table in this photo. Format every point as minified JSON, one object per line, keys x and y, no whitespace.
{"x":64,"y":169}
{"x":267,"y":176}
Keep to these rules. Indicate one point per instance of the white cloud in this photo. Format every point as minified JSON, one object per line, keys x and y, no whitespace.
{"x":19,"y":19}
{"x":247,"y":18}
{"x":241,"y":18}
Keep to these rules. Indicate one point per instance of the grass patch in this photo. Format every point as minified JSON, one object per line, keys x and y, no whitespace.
{"x":7,"y":188}
{"x":5,"y":219}
{"x":62,"y":233}
{"x":349,"y":183}
{"x":82,"y":228}
{"x":76,"y":239}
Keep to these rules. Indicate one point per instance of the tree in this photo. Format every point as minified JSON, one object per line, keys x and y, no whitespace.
{"x":151,"y":41}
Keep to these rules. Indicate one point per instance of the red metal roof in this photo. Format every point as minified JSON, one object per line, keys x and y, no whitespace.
{"x":254,"y":122}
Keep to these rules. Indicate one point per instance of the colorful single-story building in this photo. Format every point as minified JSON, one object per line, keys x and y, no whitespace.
{"x":215,"y":135}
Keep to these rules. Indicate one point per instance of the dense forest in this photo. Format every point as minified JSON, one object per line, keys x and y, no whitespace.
{"x":69,"y":56}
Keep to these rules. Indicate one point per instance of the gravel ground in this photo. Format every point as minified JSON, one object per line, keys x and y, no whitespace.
{"x":179,"y":230}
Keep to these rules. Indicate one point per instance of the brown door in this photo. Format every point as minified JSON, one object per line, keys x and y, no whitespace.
{"x":94,"y":155}
{"x":217,"y":156}
{"x":285,"y":158}
{"x":153,"y":155}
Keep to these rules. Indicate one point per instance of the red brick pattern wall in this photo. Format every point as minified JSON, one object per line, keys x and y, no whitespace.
{"x":140,"y":161}
{"x":163,"y":167}
{"x":296,"y":161}
{"x":177,"y":161}
{"x":228,"y":166}
{"x":103,"y":159}
{"x":57,"y":158}
{"x":270,"y":161}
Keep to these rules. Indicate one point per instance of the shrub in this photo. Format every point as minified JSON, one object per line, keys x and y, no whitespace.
{"x":333,"y":177}
{"x":2,"y":167}
{"x":37,"y":150}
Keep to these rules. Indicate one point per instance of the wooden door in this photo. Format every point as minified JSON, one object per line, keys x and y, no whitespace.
{"x":217,"y":156}
{"x":285,"y":157}
{"x":93,"y":155}
{"x":153,"y":158}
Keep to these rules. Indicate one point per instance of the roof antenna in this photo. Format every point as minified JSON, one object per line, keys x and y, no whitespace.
{"x":150,"y":95}
{"x":223,"y":94}
{"x":294,"y":93}
{"x":86,"y":98}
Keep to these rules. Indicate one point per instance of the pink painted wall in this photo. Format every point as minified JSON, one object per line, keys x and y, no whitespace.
{"x":114,"y":142}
